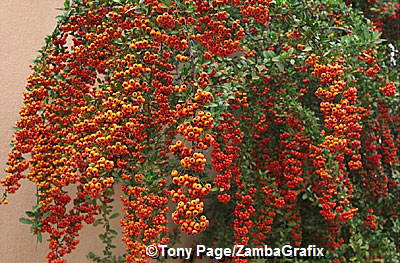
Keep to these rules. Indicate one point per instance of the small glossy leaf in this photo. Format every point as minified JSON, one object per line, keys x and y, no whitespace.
{"x":24,"y":220}
{"x":47,"y":214}
{"x":30,"y":213}
{"x":39,"y":237}
{"x":114,"y":215}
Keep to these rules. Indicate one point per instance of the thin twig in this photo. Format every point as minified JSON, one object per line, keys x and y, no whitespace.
{"x":191,"y":59}
{"x":337,"y":28}
{"x":130,"y":9}
{"x":253,"y":38}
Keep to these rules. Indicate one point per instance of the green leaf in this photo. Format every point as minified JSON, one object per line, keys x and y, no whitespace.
{"x":260,"y":67}
{"x":30,"y":213}
{"x":97,"y":222}
{"x":276,"y":59}
{"x":39,"y":237}
{"x":67,"y":4}
{"x":114,"y":215}
{"x":214,"y":189}
{"x":47,"y":214}
{"x":280,"y":67}
{"x":24,"y":220}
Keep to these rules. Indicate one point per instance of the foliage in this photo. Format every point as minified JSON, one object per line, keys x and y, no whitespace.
{"x":384,"y":13}
{"x":265,"y":122}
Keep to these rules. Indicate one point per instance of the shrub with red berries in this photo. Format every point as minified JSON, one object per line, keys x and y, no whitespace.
{"x":245,"y":122}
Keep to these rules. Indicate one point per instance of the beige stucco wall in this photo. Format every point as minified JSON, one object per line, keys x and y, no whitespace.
{"x":23,"y":26}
